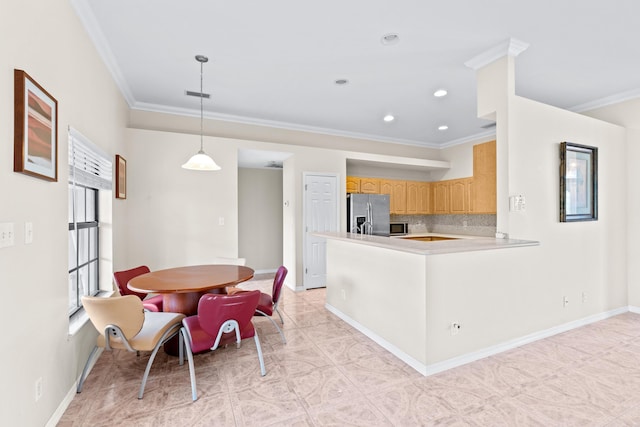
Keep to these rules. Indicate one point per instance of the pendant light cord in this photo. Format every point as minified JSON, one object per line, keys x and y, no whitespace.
{"x":201,"y":109}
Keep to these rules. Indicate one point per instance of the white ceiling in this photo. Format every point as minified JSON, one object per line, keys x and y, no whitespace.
{"x":275,"y":62}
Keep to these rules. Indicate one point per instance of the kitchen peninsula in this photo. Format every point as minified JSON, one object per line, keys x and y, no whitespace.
{"x":434,"y":305}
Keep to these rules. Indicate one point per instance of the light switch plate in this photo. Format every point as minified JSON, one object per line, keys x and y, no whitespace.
{"x":28,"y":232}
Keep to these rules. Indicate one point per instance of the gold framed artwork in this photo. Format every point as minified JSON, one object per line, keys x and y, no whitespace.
{"x":121,"y":177}
{"x":35,"y":147}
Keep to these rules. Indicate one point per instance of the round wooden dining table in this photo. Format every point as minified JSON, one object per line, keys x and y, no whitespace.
{"x":182,"y":287}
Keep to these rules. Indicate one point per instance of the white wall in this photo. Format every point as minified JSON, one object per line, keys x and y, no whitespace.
{"x":47,"y":41}
{"x":628,"y":114}
{"x":510,"y":295}
{"x":172,"y":214}
{"x":577,"y":257}
{"x":260,"y":217}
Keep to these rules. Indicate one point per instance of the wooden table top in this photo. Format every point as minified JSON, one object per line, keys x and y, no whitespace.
{"x":195,"y":278}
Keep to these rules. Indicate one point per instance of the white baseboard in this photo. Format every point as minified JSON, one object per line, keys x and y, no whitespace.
{"x":57,"y":415}
{"x":415,"y":364}
{"x":480,"y":354}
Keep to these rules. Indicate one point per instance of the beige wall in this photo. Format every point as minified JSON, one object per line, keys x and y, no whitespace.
{"x":587,"y":257}
{"x":260,"y":217}
{"x":628,"y":114}
{"x":172,"y":214}
{"x":47,"y":41}
{"x":504,"y":296}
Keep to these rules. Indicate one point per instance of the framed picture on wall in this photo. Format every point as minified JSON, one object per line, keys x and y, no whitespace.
{"x":121,"y":177}
{"x":35,"y":146}
{"x":578,"y":182}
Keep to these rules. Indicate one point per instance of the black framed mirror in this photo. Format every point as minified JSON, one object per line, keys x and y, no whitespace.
{"x":578,"y":182}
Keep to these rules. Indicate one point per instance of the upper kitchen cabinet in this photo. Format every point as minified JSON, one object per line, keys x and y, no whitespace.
{"x":440,"y":197}
{"x":398,"y":194}
{"x":460,"y":195}
{"x":356,"y":184}
{"x":483,"y":194}
{"x":370,"y":186}
{"x":418,"y":197}
{"x":353,"y":184}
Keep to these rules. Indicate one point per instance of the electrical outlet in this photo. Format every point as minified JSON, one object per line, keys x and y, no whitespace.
{"x":6,"y":234}
{"x":584,"y":297}
{"x":344,"y":295}
{"x":455,"y":328}
{"x":565,"y":301}
{"x":38,"y":388}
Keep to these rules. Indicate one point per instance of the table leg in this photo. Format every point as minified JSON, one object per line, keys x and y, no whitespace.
{"x":185,"y":303}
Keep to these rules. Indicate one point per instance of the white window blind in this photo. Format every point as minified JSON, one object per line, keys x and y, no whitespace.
{"x":88,"y":164}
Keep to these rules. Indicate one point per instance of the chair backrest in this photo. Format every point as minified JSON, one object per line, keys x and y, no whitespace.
{"x":125,"y":312}
{"x":122,"y":278}
{"x":278,"y":281}
{"x":215,"y":309}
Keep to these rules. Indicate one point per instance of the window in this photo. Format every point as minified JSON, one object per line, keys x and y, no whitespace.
{"x":89,"y":175}
{"x":83,"y":244}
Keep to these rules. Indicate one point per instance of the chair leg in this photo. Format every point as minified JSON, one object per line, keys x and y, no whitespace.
{"x":280,"y":315}
{"x":192,"y":371}
{"x":284,"y":340}
{"x":85,"y":371}
{"x":263,"y":371}
{"x":167,"y":335}
{"x":181,"y":345}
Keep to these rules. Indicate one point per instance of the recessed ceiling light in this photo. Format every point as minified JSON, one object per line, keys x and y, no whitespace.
{"x":443,"y":127}
{"x":440,"y":93}
{"x":341,"y":81}
{"x":388,"y":118}
{"x":391,"y":38}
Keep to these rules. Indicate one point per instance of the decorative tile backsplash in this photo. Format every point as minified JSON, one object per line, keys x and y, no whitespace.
{"x":473,"y":225}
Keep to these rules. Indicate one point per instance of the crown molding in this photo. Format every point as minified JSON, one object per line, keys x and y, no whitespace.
{"x":156,"y":108}
{"x":470,"y":138}
{"x":511,"y":47}
{"x":606,"y":101}
{"x":91,"y":26}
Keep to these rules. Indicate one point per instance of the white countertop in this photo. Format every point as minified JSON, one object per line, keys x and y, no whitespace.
{"x":463,"y":243}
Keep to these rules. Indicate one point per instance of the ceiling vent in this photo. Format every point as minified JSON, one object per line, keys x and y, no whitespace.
{"x":197,"y":94}
{"x":275,"y":165}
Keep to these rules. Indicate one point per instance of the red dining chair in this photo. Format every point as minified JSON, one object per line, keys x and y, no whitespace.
{"x":121,"y":278}
{"x":221,"y":319}
{"x":269,"y":303}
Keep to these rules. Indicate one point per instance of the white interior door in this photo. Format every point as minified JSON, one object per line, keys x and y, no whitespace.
{"x":320,"y":215}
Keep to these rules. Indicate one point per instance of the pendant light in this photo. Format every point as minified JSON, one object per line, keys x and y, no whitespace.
{"x":201,"y":161}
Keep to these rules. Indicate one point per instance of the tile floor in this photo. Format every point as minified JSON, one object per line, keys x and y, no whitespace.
{"x":329,"y":374}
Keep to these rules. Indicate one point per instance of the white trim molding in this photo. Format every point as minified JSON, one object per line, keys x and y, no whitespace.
{"x":435,"y":368}
{"x":511,"y":47}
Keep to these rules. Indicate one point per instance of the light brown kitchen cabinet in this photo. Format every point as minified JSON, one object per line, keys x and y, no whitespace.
{"x":353,"y":184}
{"x":424,"y":198}
{"x":418,"y":198}
{"x":484,"y":190}
{"x":440,"y":197}
{"x":412,"y":197}
{"x":397,"y":191}
{"x":370,"y":185}
{"x":459,"y":195}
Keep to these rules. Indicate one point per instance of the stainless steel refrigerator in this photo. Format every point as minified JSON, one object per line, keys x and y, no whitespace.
{"x":368,"y":213}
